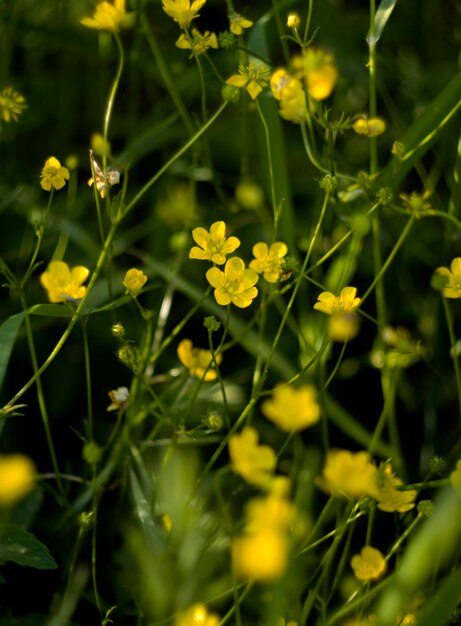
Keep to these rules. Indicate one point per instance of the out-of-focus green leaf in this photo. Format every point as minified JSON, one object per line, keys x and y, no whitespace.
{"x":22,"y":547}
{"x":382,"y":15}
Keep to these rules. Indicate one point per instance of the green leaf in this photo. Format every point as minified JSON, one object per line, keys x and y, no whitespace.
{"x":382,"y":15}
{"x":21,"y":547}
{"x":8,"y":333}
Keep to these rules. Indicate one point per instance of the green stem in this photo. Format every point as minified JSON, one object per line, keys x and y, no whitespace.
{"x":453,"y":351}
{"x":112,"y":93}
{"x":275,"y":208}
{"x":86,"y":350}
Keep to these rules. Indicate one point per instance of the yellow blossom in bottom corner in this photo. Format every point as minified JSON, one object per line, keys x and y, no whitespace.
{"x":369,"y":565}
{"x":53,"y":175}
{"x":390,"y":499}
{"x":262,"y":556}
{"x":134,"y":281}
{"x":452,"y":276}
{"x":371,"y":127}
{"x":62,"y":284}
{"x":12,"y":104}
{"x":17,"y":477}
{"x":198,"y":361}
{"x":349,"y":474}
{"x":292,"y":408}
{"x":197,"y":615}
{"x":268,"y":260}
{"x":254,"y":462}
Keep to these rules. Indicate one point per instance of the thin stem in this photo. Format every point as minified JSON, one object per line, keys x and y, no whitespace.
{"x":275,"y":208}
{"x":453,"y":351}
{"x":112,"y":93}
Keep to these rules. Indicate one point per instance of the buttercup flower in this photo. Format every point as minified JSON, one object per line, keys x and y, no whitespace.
{"x":268,"y":261}
{"x":349,"y":474}
{"x":254,"y":462}
{"x":371,"y":127}
{"x":292,"y":408}
{"x":198,"y":43}
{"x":389,"y":497}
{"x":345,"y":303}
{"x":214,"y":245}
{"x":53,"y":175}
{"x":452,"y":288}
{"x":119,"y":399}
{"x":199,"y":362}
{"x":319,"y":71}
{"x":107,"y":16}
{"x":238,"y":23}
{"x":293,"y":20}
{"x":182,"y":11}
{"x":12,"y":104}
{"x":17,"y":477}
{"x":235,"y":284}
{"x":62,"y":283}
{"x":262,"y":556}
{"x":197,"y":615}
{"x":369,"y":564}
{"x":134,"y":281}
{"x":252,"y":77}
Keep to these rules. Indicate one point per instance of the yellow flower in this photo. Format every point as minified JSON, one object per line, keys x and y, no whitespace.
{"x":319,"y":71}
{"x":279,"y":81}
{"x":53,"y":175}
{"x":134,"y":281}
{"x":119,"y":399}
{"x":182,"y":11}
{"x":235,"y":284}
{"x":390,"y":498}
{"x":268,"y":261}
{"x":198,"y":43}
{"x":12,"y":104}
{"x":199,"y":362}
{"x":253,"y":77}
{"x":196,"y":615}
{"x":345,"y":303}
{"x":262,"y":556}
{"x":292,"y":408}
{"x":369,"y":564}
{"x":372,"y":127}
{"x":238,"y":23}
{"x":293,"y":105}
{"x":455,"y":478}
{"x":452,"y":288}
{"x":17,"y":477}
{"x":343,"y":326}
{"x":349,"y":474}
{"x":214,"y":244}
{"x":293,"y":20}
{"x":107,"y":16}
{"x":62,"y":283}
{"x":273,"y":512}
{"x":254,"y":462}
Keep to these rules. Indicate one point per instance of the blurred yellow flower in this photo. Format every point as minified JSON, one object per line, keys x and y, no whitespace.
{"x":292,"y":408}
{"x":237,"y":23}
{"x":235,"y":284}
{"x":99,"y":145}
{"x":251,"y":77}
{"x":17,"y":477}
{"x":12,"y":104}
{"x":455,"y":478}
{"x":346,"y":302}
{"x":134,"y":281}
{"x":198,"y":361}
{"x":293,"y":20}
{"x":273,"y":512}
{"x":289,"y":91}
{"x":254,"y":462}
{"x":53,"y":175}
{"x":390,"y":498}
{"x":268,"y":261}
{"x":349,"y":474}
{"x":262,"y":556}
{"x":343,"y":326}
{"x":107,"y":16}
{"x":371,"y":127}
{"x":319,"y":71}
{"x":198,"y":42}
{"x":369,"y":565}
{"x":452,"y":288}
{"x":196,"y":615}
{"x":214,"y":245}
{"x":249,"y":195}
{"x":62,"y":283}
{"x":182,"y":11}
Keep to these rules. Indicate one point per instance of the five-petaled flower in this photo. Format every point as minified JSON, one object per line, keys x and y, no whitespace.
{"x":213,"y":245}
{"x":253,"y":77}
{"x":390,"y":498}
{"x":53,"y":175}
{"x":268,"y":261}
{"x":452,"y":287}
{"x":107,"y":16}
{"x":237,"y":23}
{"x":369,"y":565}
{"x":198,"y":42}
{"x":12,"y":104}
{"x":371,"y":127}
{"x":349,"y":474}
{"x":254,"y":462}
{"x":134,"y":281}
{"x":198,"y":361}
{"x":346,"y":302}
{"x":292,"y":408}
{"x":235,"y":284}
{"x":17,"y":477}
{"x":182,"y":11}
{"x":62,"y":284}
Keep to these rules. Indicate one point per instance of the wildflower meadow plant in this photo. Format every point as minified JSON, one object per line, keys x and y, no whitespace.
{"x":230,"y":318}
